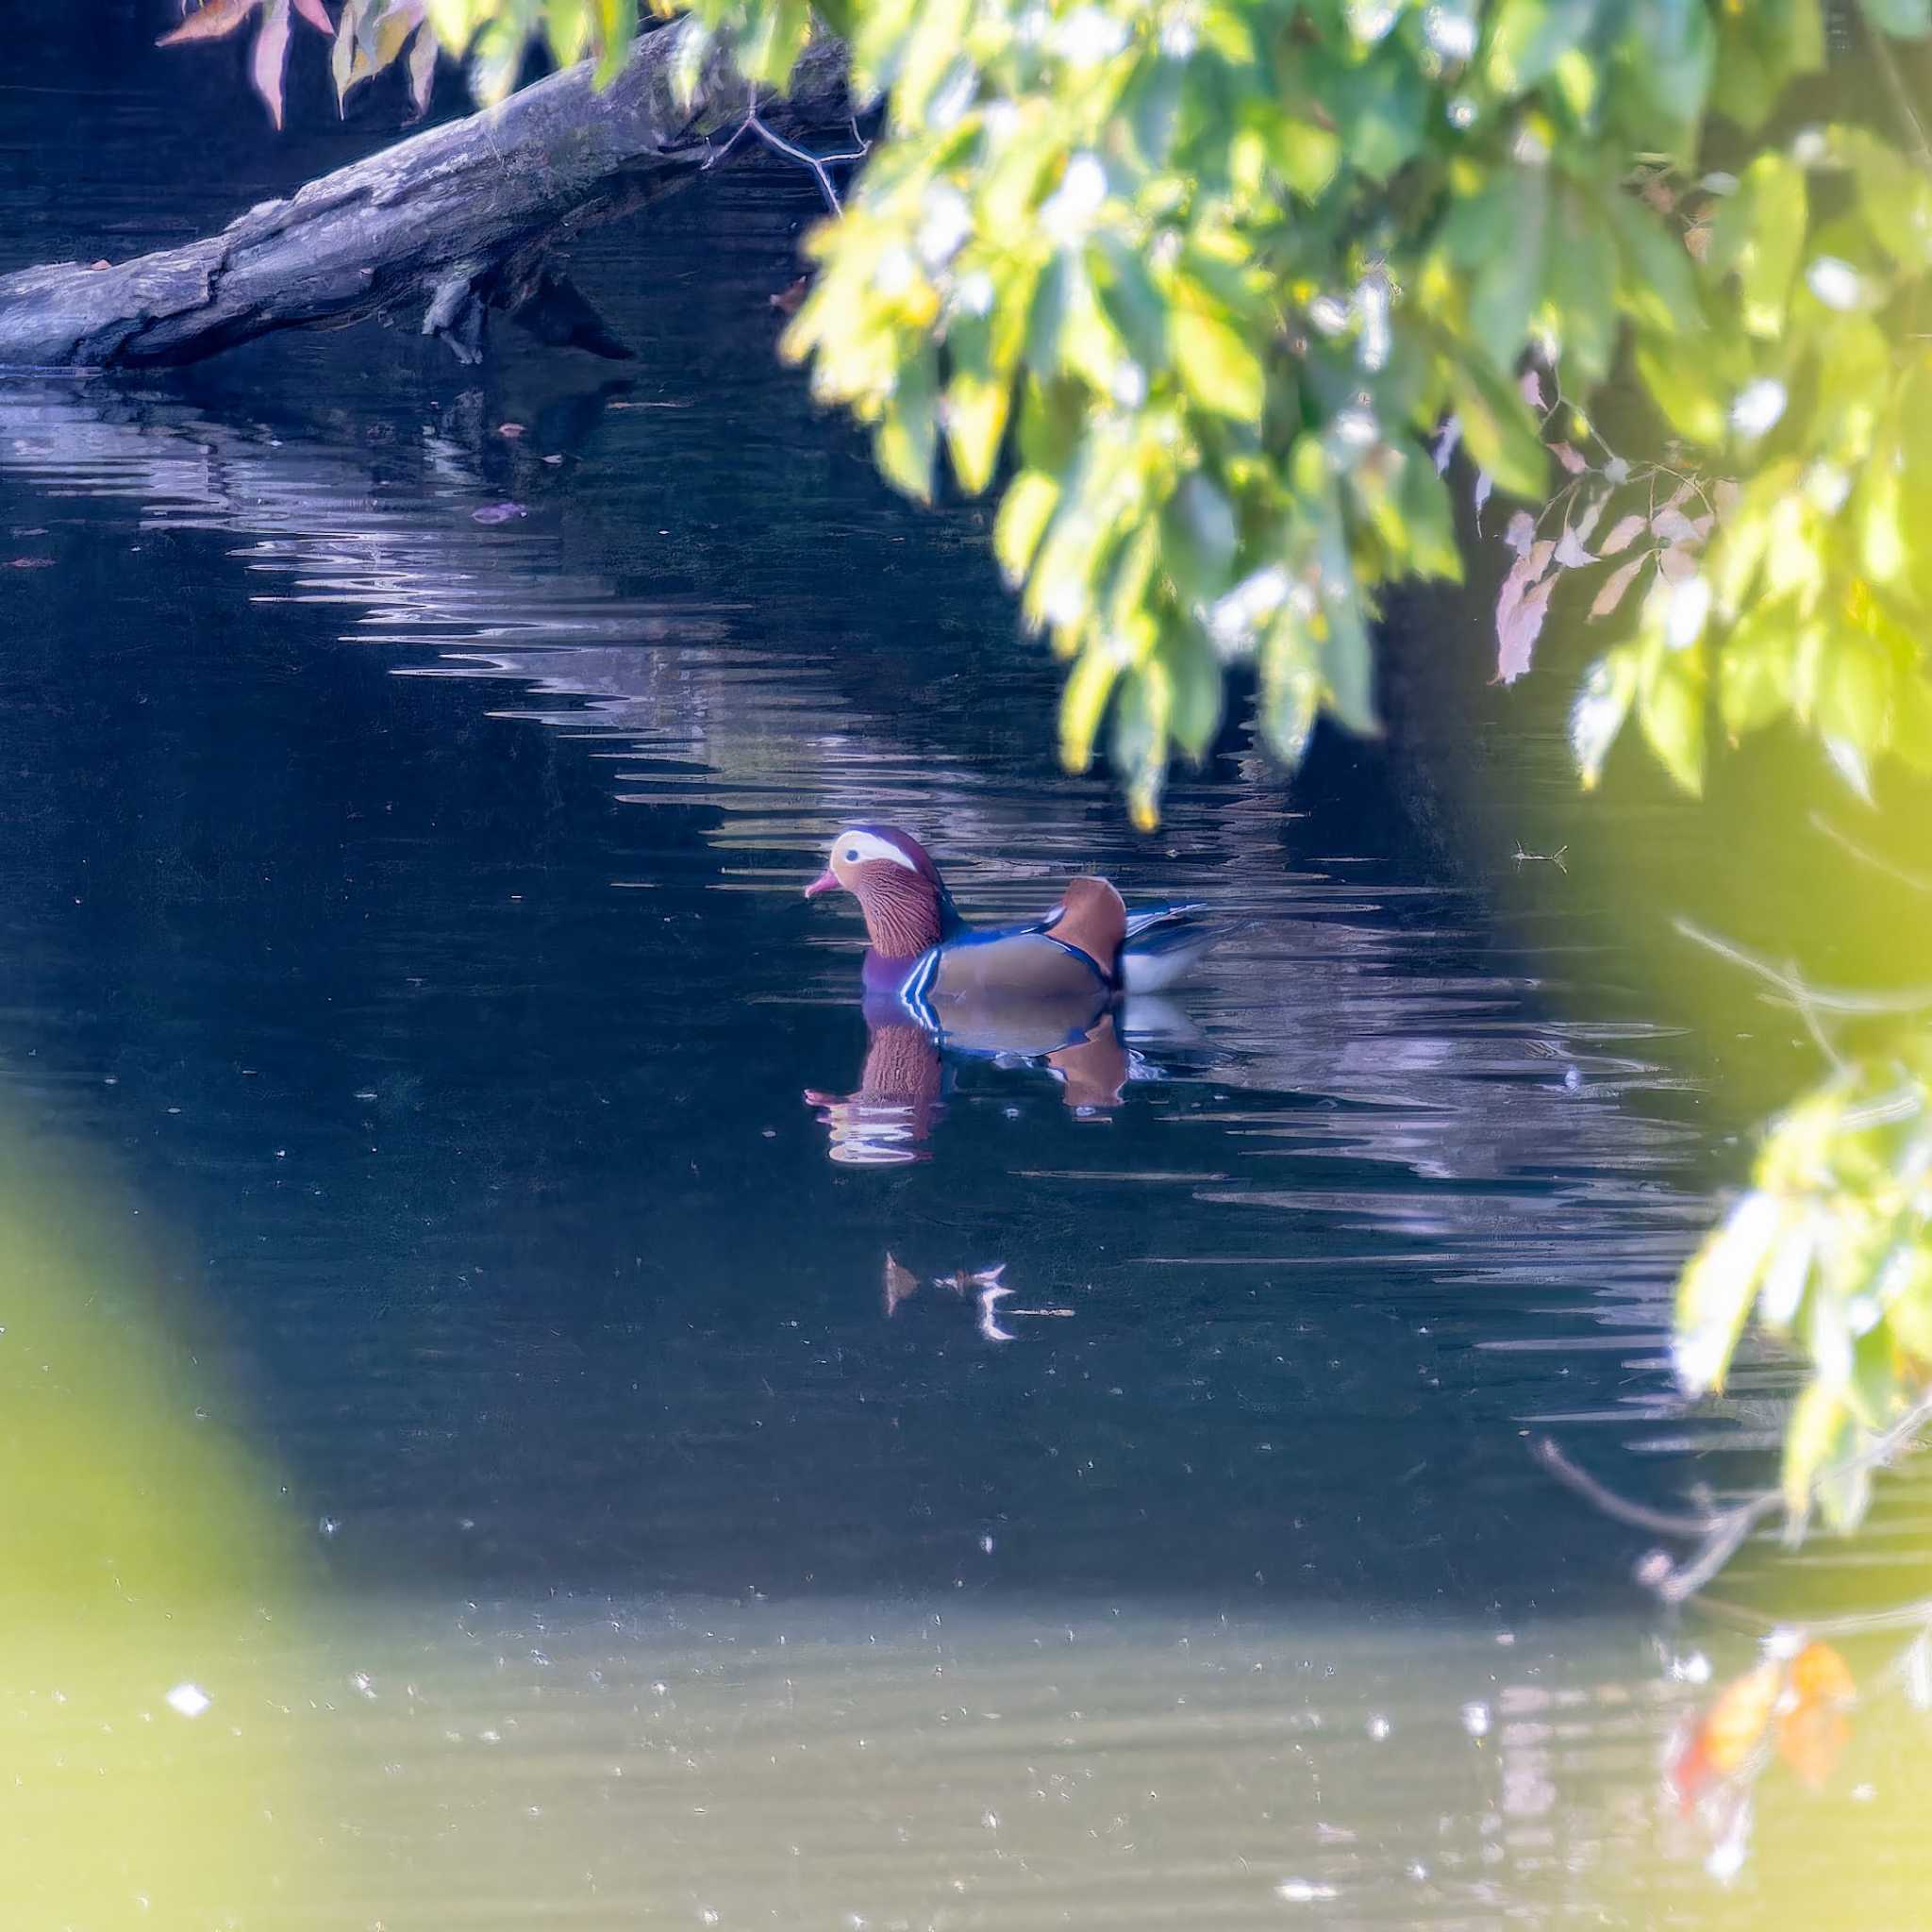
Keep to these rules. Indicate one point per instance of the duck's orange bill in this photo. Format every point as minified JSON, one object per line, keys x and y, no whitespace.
{"x":825,"y":882}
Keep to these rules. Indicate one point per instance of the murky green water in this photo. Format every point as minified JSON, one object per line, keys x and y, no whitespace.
{"x":447,"y":1302}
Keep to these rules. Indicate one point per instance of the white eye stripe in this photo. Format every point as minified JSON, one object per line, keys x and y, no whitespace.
{"x":856,"y":847}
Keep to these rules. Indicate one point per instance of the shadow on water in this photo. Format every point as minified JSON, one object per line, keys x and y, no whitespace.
{"x":410,"y":905}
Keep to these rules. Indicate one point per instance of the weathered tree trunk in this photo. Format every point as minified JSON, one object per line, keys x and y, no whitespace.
{"x":457,"y":219}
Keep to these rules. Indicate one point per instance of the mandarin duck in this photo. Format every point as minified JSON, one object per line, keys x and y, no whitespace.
{"x":1082,"y":955}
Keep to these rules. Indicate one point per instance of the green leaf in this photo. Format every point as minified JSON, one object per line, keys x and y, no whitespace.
{"x":1853,"y":699}
{"x":1139,"y":739}
{"x":1129,"y":300}
{"x":1814,"y":1436}
{"x":1082,"y":704}
{"x":1031,"y":500}
{"x":1217,"y":368}
{"x":1658,"y":284}
{"x":1756,"y":669}
{"x":1195,"y":677}
{"x":907,"y":439}
{"x":1290,"y":688}
{"x":976,"y":423}
{"x":1602,"y":705}
{"x":1198,"y":537}
{"x":1580,"y":292}
{"x":1304,"y":155}
{"x":1052,"y":417}
{"x":1530,"y":37}
{"x":1717,"y":1290}
{"x":1669,"y":707}
{"x":1508,"y":285}
{"x":1907,"y":20}
{"x":1670,"y":55}
{"x":1499,"y":429}
{"x":1759,"y":232}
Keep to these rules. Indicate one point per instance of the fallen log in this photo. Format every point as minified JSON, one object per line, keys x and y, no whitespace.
{"x":461,"y":219}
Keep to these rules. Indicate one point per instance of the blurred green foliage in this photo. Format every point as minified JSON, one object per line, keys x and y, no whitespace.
{"x":153,"y":1585}
{"x":1207,"y":289}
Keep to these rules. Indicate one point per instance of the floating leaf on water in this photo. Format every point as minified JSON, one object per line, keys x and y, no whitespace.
{"x":498,"y":513}
{"x":901,"y":1283}
{"x":512,"y":430}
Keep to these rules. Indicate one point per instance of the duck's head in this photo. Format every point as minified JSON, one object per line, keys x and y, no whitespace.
{"x":898,"y":888}
{"x":1092,"y":916}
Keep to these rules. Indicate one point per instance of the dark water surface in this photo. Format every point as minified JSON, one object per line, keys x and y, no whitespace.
{"x":401,"y":931}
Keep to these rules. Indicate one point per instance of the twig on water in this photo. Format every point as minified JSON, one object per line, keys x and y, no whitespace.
{"x":1555,"y":858}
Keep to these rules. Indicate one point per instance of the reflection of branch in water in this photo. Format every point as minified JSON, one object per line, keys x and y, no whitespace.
{"x":1905,"y":999}
{"x":1722,"y":1531}
{"x":1913,"y":881}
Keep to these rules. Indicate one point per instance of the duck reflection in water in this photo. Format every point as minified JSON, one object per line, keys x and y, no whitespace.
{"x":1047,"y":993}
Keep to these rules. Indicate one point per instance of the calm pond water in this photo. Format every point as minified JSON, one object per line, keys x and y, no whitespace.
{"x":447,"y":1320}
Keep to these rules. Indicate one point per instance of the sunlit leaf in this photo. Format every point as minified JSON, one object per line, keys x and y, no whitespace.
{"x":1217,"y":367}
{"x":268,"y":57}
{"x":213,"y":21}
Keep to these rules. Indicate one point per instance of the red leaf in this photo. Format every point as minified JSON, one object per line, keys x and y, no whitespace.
{"x":1624,"y":532}
{"x":1531,"y":384}
{"x":1570,"y":459}
{"x":316,"y":14}
{"x":1521,"y":533}
{"x":1676,"y":564}
{"x":214,"y":22}
{"x":1616,"y":584}
{"x":269,"y":58}
{"x":1674,"y":527}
